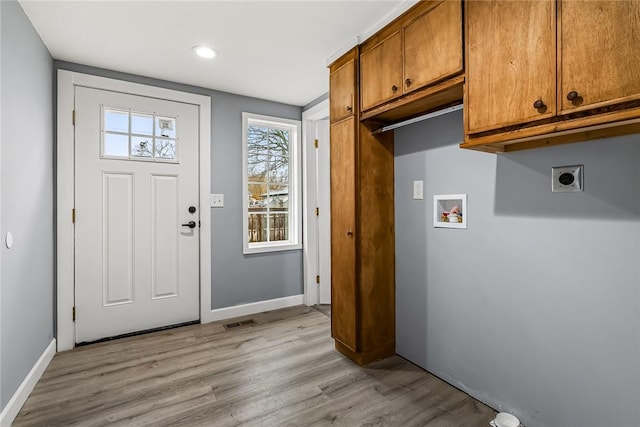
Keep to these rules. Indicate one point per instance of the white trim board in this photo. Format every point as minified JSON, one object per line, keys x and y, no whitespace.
{"x":309,"y":200}
{"x":255,"y":307}
{"x":10,"y":412}
{"x":401,"y":8}
{"x":67,"y":80}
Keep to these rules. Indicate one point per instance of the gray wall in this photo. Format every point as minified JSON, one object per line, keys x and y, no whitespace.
{"x":316,"y":101}
{"x":236,"y":278}
{"x":535,"y":308}
{"x":26,"y":198}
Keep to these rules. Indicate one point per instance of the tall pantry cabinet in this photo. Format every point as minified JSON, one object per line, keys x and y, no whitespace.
{"x":362,"y":224}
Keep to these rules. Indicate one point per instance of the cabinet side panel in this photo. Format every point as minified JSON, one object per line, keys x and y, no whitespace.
{"x":376,"y":239}
{"x":343,"y":249}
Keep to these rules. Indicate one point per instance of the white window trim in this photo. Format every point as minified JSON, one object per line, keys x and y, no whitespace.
{"x":295,"y":199}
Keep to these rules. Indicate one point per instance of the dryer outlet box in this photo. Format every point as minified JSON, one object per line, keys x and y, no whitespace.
{"x":565,"y":179}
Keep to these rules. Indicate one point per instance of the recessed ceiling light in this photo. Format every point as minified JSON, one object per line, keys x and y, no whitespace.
{"x":205,"y":51}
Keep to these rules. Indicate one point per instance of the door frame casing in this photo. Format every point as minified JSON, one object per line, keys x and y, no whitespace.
{"x":65,"y":187}
{"x":309,"y":200}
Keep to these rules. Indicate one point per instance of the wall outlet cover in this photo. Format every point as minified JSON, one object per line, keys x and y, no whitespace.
{"x":217,"y":200}
{"x":567,"y":179}
{"x":418,"y":190}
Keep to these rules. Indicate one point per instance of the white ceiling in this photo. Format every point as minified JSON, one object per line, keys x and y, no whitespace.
{"x":275,"y":50}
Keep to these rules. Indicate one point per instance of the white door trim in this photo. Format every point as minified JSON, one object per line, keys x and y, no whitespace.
{"x":309,"y":198}
{"x":67,"y":80}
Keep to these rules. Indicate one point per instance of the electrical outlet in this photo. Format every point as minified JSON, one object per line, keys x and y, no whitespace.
{"x":418,"y":190}
{"x":565,"y":179}
{"x":217,"y":200}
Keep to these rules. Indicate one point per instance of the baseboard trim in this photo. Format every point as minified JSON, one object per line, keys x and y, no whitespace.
{"x":10,"y":412}
{"x":255,"y":307}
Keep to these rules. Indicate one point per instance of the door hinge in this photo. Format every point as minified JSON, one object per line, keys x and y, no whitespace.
{"x":73,"y":313}
{"x":318,"y":279}
{"x":315,"y":143}
{"x":73,"y":215}
{"x":317,"y":211}
{"x":73,"y":117}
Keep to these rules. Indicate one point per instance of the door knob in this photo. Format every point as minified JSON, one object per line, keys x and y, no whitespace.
{"x":190,"y":224}
{"x":394,"y":88}
{"x":350,"y":233}
{"x":407,"y":82}
{"x":538,"y":104}
{"x":572,"y":96}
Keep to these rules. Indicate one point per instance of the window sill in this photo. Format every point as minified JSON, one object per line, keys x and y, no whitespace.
{"x":271,"y":247}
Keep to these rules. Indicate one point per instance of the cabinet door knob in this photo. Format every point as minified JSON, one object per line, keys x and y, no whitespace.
{"x":538,"y":104}
{"x":394,"y":88}
{"x":572,"y":96}
{"x":349,"y":233}
{"x":407,"y":82}
{"x":349,"y":108}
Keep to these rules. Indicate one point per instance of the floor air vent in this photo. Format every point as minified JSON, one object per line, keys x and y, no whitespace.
{"x":238,"y":324}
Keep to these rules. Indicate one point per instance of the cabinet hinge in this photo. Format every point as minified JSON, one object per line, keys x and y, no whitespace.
{"x":317,"y":211}
{"x":73,"y":313}
{"x":73,"y":117}
{"x":318,"y":279}
{"x":315,"y":143}
{"x":73,"y":215}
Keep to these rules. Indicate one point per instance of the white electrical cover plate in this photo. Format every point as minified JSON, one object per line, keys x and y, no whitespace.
{"x":566,"y":179}
{"x":418,"y":190}
{"x":217,"y":200}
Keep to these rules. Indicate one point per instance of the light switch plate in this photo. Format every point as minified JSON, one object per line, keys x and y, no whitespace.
{"x":217,"y":200}
{"x":418,"y":190}
{"x":565,"y":179}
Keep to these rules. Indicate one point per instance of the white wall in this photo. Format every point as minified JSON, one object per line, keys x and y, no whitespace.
{"x":535,"y":308}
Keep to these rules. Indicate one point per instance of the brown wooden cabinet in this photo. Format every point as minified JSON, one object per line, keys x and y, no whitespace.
{"x":510,"y":64}
{"x":420,"y":48}
{"x":546,"y":72}
{"x":343,"y":83}
{"x":362,"y":233}
{"x":432,"y":48}
{"x":381,"y":68}
{"x":599,"y":53}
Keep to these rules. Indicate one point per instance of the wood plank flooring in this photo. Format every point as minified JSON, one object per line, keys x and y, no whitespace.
{"x":280,"y":371}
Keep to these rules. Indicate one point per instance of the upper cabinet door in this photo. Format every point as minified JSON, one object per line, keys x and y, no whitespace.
{"x":599,"y":53}
{"x":511,"y":63}
{"x":342,"y":85}
{"x":381,"y":72}
{"x":433,"y":46}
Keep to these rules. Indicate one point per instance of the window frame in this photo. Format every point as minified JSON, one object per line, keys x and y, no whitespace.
{"x":130,"y":135}
{"x":294,"y":185}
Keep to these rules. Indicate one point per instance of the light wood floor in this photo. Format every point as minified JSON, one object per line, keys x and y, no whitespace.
{"x":281,"y":371}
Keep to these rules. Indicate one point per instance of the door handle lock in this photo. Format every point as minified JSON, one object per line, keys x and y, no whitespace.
{"x":190,"y":224}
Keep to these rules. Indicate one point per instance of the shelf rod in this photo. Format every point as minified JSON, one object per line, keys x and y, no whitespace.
{"x":418,"y":119}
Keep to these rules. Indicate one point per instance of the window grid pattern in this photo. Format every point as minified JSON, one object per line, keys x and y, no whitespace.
{"x":268,"y":183}
{"x":138,"y":136}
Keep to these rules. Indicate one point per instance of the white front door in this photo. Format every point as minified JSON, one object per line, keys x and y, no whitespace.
{"x":324,"y":204}
{"x":136,"y":186}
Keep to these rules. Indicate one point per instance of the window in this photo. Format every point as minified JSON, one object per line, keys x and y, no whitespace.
{"x":271,"y":183}
{"x":138,"y":136}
